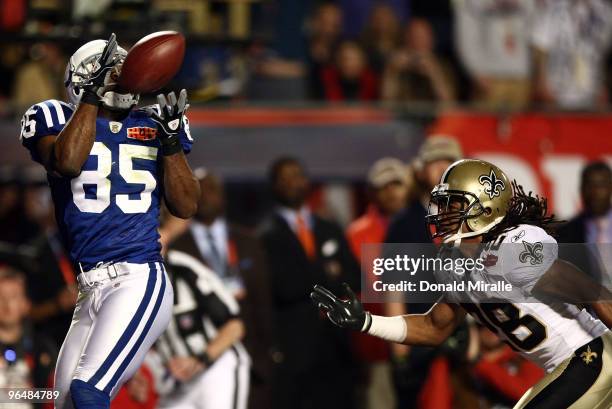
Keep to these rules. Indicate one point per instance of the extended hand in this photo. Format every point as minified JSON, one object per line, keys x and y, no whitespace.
{"x":96,"y":80}
{"x":184,"y":368}
{"x":169,"y":120}
{"x":347,"y":313}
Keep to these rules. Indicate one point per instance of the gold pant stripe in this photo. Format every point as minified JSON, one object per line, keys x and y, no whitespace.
{"x":599,"y":394}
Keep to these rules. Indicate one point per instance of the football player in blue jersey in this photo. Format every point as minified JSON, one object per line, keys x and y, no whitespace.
{"x":108,"y":166}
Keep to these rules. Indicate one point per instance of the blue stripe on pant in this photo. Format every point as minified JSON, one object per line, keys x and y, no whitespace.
{"x":143,"y":334}
{"x":131,"y":328}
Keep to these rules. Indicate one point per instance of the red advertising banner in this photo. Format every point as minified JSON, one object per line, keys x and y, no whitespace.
{"x":543,"y":152}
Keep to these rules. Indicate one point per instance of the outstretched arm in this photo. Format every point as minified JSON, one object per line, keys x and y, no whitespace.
{"x":431,"y":328}
{"x":181,"y":188}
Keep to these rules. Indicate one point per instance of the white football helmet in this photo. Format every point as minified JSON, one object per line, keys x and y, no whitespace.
{"x":80,"y":66}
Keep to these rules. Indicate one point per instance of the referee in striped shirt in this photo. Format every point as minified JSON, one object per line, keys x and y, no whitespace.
{"x":201,"y":362}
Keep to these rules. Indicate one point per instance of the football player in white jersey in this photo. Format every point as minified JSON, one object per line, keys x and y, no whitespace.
{"x":476,"y":204}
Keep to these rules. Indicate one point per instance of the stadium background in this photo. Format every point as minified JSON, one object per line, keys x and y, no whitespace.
{"x":260,"y":87}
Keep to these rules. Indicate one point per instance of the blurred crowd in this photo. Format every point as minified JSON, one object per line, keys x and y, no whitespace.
{"x":493,"y":54}
{"x":297,"y":359}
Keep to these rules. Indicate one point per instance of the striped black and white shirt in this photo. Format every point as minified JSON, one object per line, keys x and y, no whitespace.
{"x":202,"y":305}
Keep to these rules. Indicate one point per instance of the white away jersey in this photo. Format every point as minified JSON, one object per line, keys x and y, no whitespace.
{"x":544,"y":333}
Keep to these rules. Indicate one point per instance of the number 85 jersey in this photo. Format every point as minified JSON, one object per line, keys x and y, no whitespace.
{"x":110,"y":212}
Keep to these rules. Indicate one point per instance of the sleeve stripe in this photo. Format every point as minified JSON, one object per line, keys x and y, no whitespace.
{"x":47,"y":113}
{"x":60,"y":112}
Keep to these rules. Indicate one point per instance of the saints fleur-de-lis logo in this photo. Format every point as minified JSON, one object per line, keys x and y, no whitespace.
{"x":588,"y":355}
{"x":493,"y":185}
{"x":532,"y":254}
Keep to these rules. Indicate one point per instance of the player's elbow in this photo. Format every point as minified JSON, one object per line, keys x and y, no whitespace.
{"x":438,"y":338}
{"x":67,"y":168}
{"x":66,"y":163}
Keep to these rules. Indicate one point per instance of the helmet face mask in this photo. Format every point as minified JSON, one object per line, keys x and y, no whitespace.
{"x":80,"y":67}
{"x":471,"y":193}
{"x":449,"y":210}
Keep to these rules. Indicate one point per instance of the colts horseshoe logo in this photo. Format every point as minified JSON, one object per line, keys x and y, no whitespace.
{"x":493,"y":185}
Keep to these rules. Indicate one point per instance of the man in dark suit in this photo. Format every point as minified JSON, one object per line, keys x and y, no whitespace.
{"x":303,"y":250}
{"x":593,"y":225}
{"x":237,"y":257}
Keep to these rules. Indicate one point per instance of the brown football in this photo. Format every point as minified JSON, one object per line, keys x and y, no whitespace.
{"x":152,"y":62}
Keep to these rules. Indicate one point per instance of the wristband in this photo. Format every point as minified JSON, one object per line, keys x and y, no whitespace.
{"x":170,"y":146}
{"x":392,"y":329}
{"x":90,"y":98}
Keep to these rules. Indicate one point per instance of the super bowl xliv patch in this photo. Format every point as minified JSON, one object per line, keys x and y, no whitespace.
{"x":142,"y":133}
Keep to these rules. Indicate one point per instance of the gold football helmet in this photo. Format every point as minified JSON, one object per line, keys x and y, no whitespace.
{"x":471,"y":192}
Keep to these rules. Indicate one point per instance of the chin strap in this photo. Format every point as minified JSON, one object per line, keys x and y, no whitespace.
{"x":113,"y":100}
{"x":456,"y":238}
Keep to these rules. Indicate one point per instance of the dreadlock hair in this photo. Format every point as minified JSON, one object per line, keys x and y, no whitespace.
{"x":524,"y":209}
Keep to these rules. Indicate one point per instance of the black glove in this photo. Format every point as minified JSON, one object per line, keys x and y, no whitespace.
{"x":344,"y":313}
{"x":169,"y":120}
{"x":96,"y":79}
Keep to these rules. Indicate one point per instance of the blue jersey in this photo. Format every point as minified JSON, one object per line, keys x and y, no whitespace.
{"x":110,"y":212}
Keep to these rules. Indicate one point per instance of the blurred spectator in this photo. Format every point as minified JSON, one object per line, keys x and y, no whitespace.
{"x":14,"y":230}
{"x":52,"y":278}
{"x":475,"y":369}
{"x":205,"y":364}
{"x":571,"y":38}
{"x":11,"y":56}
{"x":357,"y":13}
{"x":41,"y":78}
{"x":414,"y":72}
{"x":137,"y":393}
{"x":275,"y":78}
{"x":237,"y":257}
{"x":440,"y":16}
{"x":388,"y":189}
{"x":287,"y":20}
{"x":381,"y":35}
{"x":492,"y":38}
{"x":436,"y":154}
{"x":388,"y":186}
{"x":411,"y":364}
{"x":500,"y":374}
{"x":209,"y":238}
{"x":314,"y":366}
{"x":324,"y":35}
{"x":593,"y":225}
{"x":350,"y":78}
{"x":26,"y":358}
